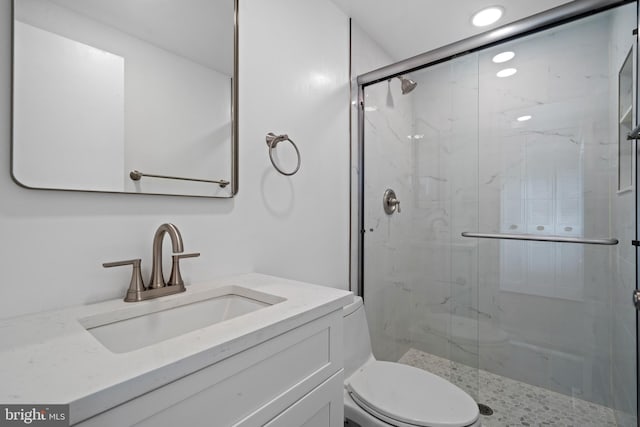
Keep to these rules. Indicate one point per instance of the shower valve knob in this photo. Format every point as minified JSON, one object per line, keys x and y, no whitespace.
{"x":390,"y":202}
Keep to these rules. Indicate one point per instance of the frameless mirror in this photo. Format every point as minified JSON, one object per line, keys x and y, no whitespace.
{"x":126,"y":96}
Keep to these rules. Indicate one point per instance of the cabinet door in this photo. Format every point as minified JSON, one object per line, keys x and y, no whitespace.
{"x":323,"y":407}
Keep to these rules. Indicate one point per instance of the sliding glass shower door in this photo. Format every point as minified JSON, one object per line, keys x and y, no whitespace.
{"x":521,"y":147}
{"x":420,"y":276}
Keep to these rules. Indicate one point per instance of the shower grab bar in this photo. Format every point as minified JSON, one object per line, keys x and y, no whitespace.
{"x":540,"y":238}
{"x":136,"y":175}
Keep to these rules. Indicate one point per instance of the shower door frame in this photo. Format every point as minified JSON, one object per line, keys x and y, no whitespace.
{"x":533,"y":24}
{"x":636,"y":67}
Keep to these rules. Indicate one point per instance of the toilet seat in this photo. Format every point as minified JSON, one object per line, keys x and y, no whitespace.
{"x":405,"y":396}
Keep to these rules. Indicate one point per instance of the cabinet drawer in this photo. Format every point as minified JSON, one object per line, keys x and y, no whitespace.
{"x":323,"y":407}
{"x":247,"y":389}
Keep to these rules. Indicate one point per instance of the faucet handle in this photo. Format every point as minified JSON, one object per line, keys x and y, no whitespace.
{"x":134,"y":262}
{"x":136,"y":286}
{"x":176,"y":278}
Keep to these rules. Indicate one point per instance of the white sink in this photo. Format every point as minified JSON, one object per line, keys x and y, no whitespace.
{"x":150,"y":322}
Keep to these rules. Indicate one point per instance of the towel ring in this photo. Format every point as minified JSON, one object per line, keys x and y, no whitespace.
{"x":272,"y":142}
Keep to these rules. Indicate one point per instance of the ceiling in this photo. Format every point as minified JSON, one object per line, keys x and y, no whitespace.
{"x":405,"y":28}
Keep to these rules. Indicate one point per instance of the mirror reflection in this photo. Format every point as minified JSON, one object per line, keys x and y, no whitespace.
{"x":103,"y":89}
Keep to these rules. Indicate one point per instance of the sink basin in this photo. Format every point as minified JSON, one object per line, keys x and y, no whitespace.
{"x":154,"y":321}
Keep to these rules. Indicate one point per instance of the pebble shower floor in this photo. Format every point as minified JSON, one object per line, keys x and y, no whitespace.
{"x":514,"y":403}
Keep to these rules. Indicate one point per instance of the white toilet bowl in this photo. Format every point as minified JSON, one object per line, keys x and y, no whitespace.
{"x":383,"y":394}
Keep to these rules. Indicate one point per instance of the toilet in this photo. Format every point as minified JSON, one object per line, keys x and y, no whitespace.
{"x":383,"y":394}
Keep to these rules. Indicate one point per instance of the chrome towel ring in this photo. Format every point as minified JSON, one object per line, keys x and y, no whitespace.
{"x":272,"y":142}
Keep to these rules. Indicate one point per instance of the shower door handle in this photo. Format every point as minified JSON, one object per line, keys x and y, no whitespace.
{"x":540,"y":238}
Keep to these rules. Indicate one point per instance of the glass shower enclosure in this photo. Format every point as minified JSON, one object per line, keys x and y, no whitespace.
{"x":504,"y":261}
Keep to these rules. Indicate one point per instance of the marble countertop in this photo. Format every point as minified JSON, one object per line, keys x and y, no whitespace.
{"x":50,"y":358}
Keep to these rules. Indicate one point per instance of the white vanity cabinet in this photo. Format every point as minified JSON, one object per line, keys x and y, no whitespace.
{"x":246,"y":350}
{"x":293,"y":379}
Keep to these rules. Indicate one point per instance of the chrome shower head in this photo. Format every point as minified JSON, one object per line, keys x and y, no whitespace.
{"x":407,"y":85}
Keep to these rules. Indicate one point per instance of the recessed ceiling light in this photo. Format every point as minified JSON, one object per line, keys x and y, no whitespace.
{"x":487,"y":16}
{"x":506,"y":72}
{"x":524,"y":118}
{"x":503,"y":57}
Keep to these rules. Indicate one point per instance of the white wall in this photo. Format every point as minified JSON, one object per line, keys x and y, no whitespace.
{"x":293,"y":79}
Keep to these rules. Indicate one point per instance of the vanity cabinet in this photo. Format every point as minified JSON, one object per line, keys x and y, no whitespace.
{"x":293,"y":379}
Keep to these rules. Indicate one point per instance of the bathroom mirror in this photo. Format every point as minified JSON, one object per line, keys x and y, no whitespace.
{"x":126,"y":96}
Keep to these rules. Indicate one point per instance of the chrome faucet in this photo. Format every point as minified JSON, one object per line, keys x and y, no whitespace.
{"x":157,"y":278}
{"x":157,"y":286}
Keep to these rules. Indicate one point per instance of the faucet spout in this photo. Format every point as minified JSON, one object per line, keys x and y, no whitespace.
{"x":157,"y":277}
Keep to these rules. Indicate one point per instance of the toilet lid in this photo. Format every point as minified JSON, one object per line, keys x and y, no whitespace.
{"x":411,"y":395}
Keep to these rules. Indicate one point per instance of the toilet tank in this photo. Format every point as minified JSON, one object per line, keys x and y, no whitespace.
{"x":357,"y":344}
